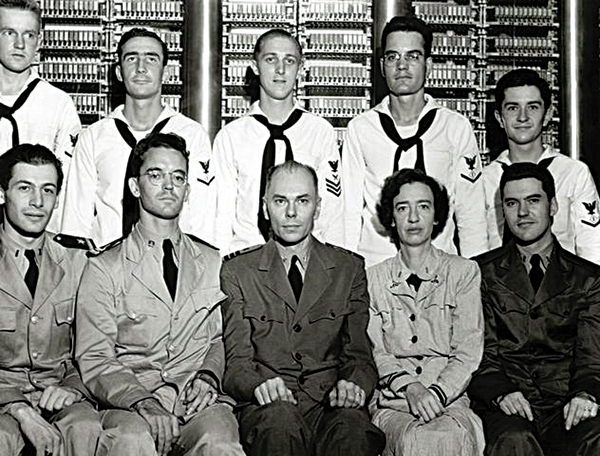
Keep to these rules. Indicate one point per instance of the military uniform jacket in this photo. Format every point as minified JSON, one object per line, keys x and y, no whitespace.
{"x":132,"y":339}
{"x":36,"y":341}
{"x":324,"y":341}
{"x":546,"y":345}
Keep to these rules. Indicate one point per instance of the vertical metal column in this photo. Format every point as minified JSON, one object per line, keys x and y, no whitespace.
{"x":383,"y":11}
{"x":580,"y":95}
{"x":201,"y":60}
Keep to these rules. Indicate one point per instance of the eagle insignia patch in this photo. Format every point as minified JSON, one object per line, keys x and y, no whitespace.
{"x":206,"y":178}
{"x":472,"y":174}
{"x":593,"y":219}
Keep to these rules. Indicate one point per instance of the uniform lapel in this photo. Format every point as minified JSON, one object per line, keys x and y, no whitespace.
{"x":11,"y":281}
{"x":51,"y":273}
{"x":554,"y":279}
{"x":316,"y":279}
{"x":513,"y":275}
{"x":274,"y":276}
{"x":191,"y":267}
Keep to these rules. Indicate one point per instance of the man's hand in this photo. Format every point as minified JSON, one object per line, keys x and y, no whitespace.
{"x":579,"y":409}
{"x":199,"y":394}
{"x":347,"y":394}
{"x":163,"y":425}
{"x":516,"y":404}
{"x":43,"y":436}
{"x":423,"y":402}
{"x":55,"y":398}
{"x":273,"y":390}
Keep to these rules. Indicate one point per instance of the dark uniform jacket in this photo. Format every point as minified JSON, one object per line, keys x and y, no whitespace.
{"x":546,"y":345}
{"x":312,"y":344}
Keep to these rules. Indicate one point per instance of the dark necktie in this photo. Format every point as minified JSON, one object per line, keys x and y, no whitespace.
{"x":415,"y":281}
{"x":536,"y":274}
{"x":169,"y":267}
{"x":8,"y":111}
{"x":507,"y":234}
{"x":268,"y":160}
{"x":32,"y":274}
{"x":295,"y":278}
{"x":389,"y":127}
{"x":131,"y":210}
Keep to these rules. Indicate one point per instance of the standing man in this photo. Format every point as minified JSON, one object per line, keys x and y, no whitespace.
{"x":408,"y":129}
{"x":149,"y":324}
{"x":523,"y":109}
{"x":31,"y":110}
{"x":299,"y":361}
{"x":274,"y":130}
{"x":42,"y":399}
{"x":538,"y":386}
{"x":98,"y":204}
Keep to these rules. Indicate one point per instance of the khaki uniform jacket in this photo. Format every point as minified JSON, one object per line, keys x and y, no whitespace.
{"x":324,"y":341}
{"x":132,"y":339}
{"x":36,"y":343}
{"x":544,"y":344}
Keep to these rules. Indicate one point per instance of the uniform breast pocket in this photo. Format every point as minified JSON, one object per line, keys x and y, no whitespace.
{"x":265,"y":320}
{"x":137,"y":323}
{"x":61,"y":333}
{"x":8,"y":325}
{"x":437,"y":316}
{"x":328,"y":319}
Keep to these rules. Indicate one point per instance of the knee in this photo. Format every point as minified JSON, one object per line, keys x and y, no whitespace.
{"x":514,"y":441}
{"x":11,"y":439}
{"x":279,"y":415}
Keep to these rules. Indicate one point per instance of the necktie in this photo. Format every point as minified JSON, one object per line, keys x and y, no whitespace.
{"x":8,"y":111}
{"x":169,"y":267}
{"x":295,"y":278}
{"x":507,"y":234}
{"x":415,"y":281}
{"x":389,"y":127}
{"x":32,"y":274}
{"x":536,"y":274}
{"x":268,"y":160}
{"x":131,"y":210}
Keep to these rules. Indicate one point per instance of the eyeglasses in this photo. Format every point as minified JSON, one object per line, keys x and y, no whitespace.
{"x":156,"y":177}
{"x":391,"y":58}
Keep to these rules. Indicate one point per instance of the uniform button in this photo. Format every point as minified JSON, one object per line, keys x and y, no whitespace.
{"x":165,"y":374}
{"x":263,"y":318}
{"x":301,"y":379}
{"x":34,"y":319}
{"x":297,"y":328}
{"x":412,"y":317}
{"x":34,"y":355}
{"x":69,"y":319}
{"x":332,"y":314}
{"x":534,"y":314}
{"x":171,"y":347}
{"x":298,"y":356}
{"x":419,"y":358}
{"x":133,"y":315}
{"x":419,"y":370}
{"x":414,"y":339}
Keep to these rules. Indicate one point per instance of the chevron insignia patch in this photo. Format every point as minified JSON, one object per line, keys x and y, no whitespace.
{"x":593,"y":219}
{"x":334,"y":187}
{"x":472,"y":176}
{"x":206,"y":178}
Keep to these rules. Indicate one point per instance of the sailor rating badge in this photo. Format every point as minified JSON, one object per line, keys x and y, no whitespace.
{"x":206,"y":177}
{"x":333,"y":181}
{"x":472,"y":174}
{"x":591,"y":218}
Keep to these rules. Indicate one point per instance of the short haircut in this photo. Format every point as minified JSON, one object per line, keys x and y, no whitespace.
{"x":31,"y":154}
{"x":271,"y":33}
{"x":141,"y":32}
{"x":169,"y":140}
{"x":408,"y":24}
{"x":519,"y":78}
{"x":25,"y":5}
{"x":391,"y":189}
{"x":525,"y":170}
{"x":291,"y":166}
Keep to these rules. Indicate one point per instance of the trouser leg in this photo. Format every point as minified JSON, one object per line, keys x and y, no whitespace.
{"x":11,"y":438}
{"x":275,"y":429}
{"x":125,"y":434}
{"x":584,"y":439}
{"x":80,"y":428}
{"x":509,"y":435}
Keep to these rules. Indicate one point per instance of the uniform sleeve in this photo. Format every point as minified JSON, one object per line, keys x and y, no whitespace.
{"x":227,"y":185}
{"x":353,"y":174}
{"x":80,"y":189}
{"x":214,"y":361}
{"x":585,"y":215}
{"x":329,"y":227}
{"x":241,"y":373}
{"x":470,"y":197}
{"x":112,"y":383}
{"x":466,"y":343}
{"x":493,"y":208}
{"x":198,"y":218}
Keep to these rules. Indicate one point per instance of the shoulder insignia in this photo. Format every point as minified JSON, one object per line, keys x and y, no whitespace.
{"x":74,"y":139}
{"x":241,"y":252}
{"x":206,"y":177}
{"x":75,"y":242}
{"x":592,"y":219}
{"x":197,"y":240}
{"x":105,"y":247}
{"x":333,"y":182}
{"x":472,"y":174}
{"x":343,"y":250}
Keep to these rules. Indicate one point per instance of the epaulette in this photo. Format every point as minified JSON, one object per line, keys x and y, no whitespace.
{"x":105,"y":247}
{"x":240,"y":252}
{"x":490,"y":255}
{"x":200,"y":241}
{"x":343,"y":250}
{"x":75,"y":242}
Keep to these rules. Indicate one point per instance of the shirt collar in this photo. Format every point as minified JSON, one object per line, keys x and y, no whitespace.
{"x":548,"y":152}
{"x":255,"y":109}
{"x":15,"y":248}
{"x":400,"y":271}
{"x":301,"y":250}
{"x":151,"y":239}
{"x":166,"y":112}
{"x":544,"y":251}
{"x":430,"y":103}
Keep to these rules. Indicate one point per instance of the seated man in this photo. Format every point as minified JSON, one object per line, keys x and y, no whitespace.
{"x":538,"y":384}
{"x":42,"y":406}
{"x":149,"y":325}
{"x":299,"y":360}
